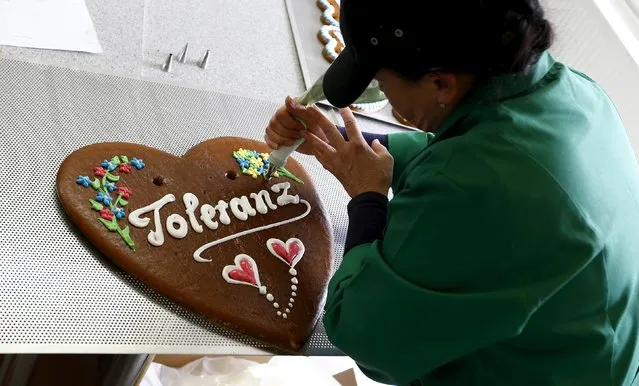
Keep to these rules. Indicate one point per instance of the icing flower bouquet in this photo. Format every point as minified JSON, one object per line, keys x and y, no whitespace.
{"x":110,"y":199}
{"x":256,"y":164}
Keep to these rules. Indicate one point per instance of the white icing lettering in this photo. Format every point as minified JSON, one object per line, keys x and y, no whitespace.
{"x":191,"y":203}
{"x":279,"y":313}
{"x":263,"y":201}
{"x":182,"y":226}
{"x":284,"y":316}
{"x":287,"y":310}
{"x":241,"y":208}
{"x":221,"y":208}
{"x":155,"y":237}
{"x":284,"y":198}
{"x":276,"y":305}
{"x":207,"y":214}
{"x":210,"y":216}
{"x":270,"y":297}
{"x":197,"y":254}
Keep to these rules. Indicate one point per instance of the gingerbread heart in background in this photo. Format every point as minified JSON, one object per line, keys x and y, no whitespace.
{"x":206,"y":231}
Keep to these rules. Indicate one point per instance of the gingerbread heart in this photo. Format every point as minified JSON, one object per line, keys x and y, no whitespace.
{"x":202,"y":230}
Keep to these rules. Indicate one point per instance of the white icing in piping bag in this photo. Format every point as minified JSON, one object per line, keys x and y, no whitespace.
{"x":278,"y":157}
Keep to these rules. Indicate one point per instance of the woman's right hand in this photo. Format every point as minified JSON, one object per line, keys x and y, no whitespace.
{"x":284,"y":130}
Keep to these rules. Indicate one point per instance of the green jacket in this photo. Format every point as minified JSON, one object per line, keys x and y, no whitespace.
{"x":511,"y":251}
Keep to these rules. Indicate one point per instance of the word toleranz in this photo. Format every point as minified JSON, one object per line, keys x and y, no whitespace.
{"x":178,"y":227}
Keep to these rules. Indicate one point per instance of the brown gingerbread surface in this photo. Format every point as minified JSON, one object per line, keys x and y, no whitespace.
{"x":275,"y":295}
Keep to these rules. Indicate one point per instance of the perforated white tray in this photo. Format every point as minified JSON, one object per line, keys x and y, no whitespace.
{"x":57,"y":293}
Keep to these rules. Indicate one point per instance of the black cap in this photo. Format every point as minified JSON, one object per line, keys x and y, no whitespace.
{"x":400,"y":35}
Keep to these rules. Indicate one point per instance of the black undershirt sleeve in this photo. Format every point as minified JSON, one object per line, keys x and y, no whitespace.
{"x":367,"y":211}
{"x":368,"y":137}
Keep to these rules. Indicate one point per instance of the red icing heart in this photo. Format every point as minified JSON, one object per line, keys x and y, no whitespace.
{"x":290,"y":252}
{"x":243,"y":272}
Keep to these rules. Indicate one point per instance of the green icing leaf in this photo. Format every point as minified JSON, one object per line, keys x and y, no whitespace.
{"x":110,"y":225}
{"x":123,"y":202}
{"x":290,"y":175}
{"x":116,"y":160}
{"x":124,"y":233}
{"x":124,"y":159}
{"x":95,"y":184}
{"x":96,"y":205}
{"x":111,"y":177}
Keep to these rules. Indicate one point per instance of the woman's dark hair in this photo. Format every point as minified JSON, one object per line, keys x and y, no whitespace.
{"x":524,"y":33}
{"x":482,"y":37}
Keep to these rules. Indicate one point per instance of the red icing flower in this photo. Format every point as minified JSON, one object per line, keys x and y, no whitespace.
{"x":125,"y":168}
{"x":106,"y":214}
{"x":125,"y":192}
{"x":99,"y":171}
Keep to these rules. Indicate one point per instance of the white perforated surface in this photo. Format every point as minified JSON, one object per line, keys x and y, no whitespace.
{"x":57,"y":293}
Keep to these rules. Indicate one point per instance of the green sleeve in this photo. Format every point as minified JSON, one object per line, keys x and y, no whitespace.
{"x":404,"y":147}
{"x":429,"y":292}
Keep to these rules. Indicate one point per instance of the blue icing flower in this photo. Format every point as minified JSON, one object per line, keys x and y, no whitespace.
{"x":118,"y":212}
{"x":267,"y":163}
{"x":138,"y":163}
{"x":103,"y":198}
{"x":108,"y":165}
{"x":243,"y":163}
{"x":261,"y":170}
{"x":110,"y":186}
{"x":256,"y":154}
{"x":84,"y":181}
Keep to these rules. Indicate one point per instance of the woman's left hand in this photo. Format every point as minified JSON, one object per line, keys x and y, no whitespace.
{"x":359,"y":167}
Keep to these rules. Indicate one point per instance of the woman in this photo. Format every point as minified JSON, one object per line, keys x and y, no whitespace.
{"x":509,"y":254}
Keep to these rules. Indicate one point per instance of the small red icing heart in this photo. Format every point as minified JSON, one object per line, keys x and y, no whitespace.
{"x":290,"y":252}
{"x":243,"y":272}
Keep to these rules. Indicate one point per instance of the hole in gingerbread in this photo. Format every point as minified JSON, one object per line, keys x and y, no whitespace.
{"x":231,"y":175}
{"x":158,"y":180}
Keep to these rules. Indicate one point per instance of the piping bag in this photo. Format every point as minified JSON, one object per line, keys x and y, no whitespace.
{"x":278,"y":158}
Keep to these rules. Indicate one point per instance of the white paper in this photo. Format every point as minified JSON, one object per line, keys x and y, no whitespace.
{"x":51,"y":24}
{"x":284,"y":371}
